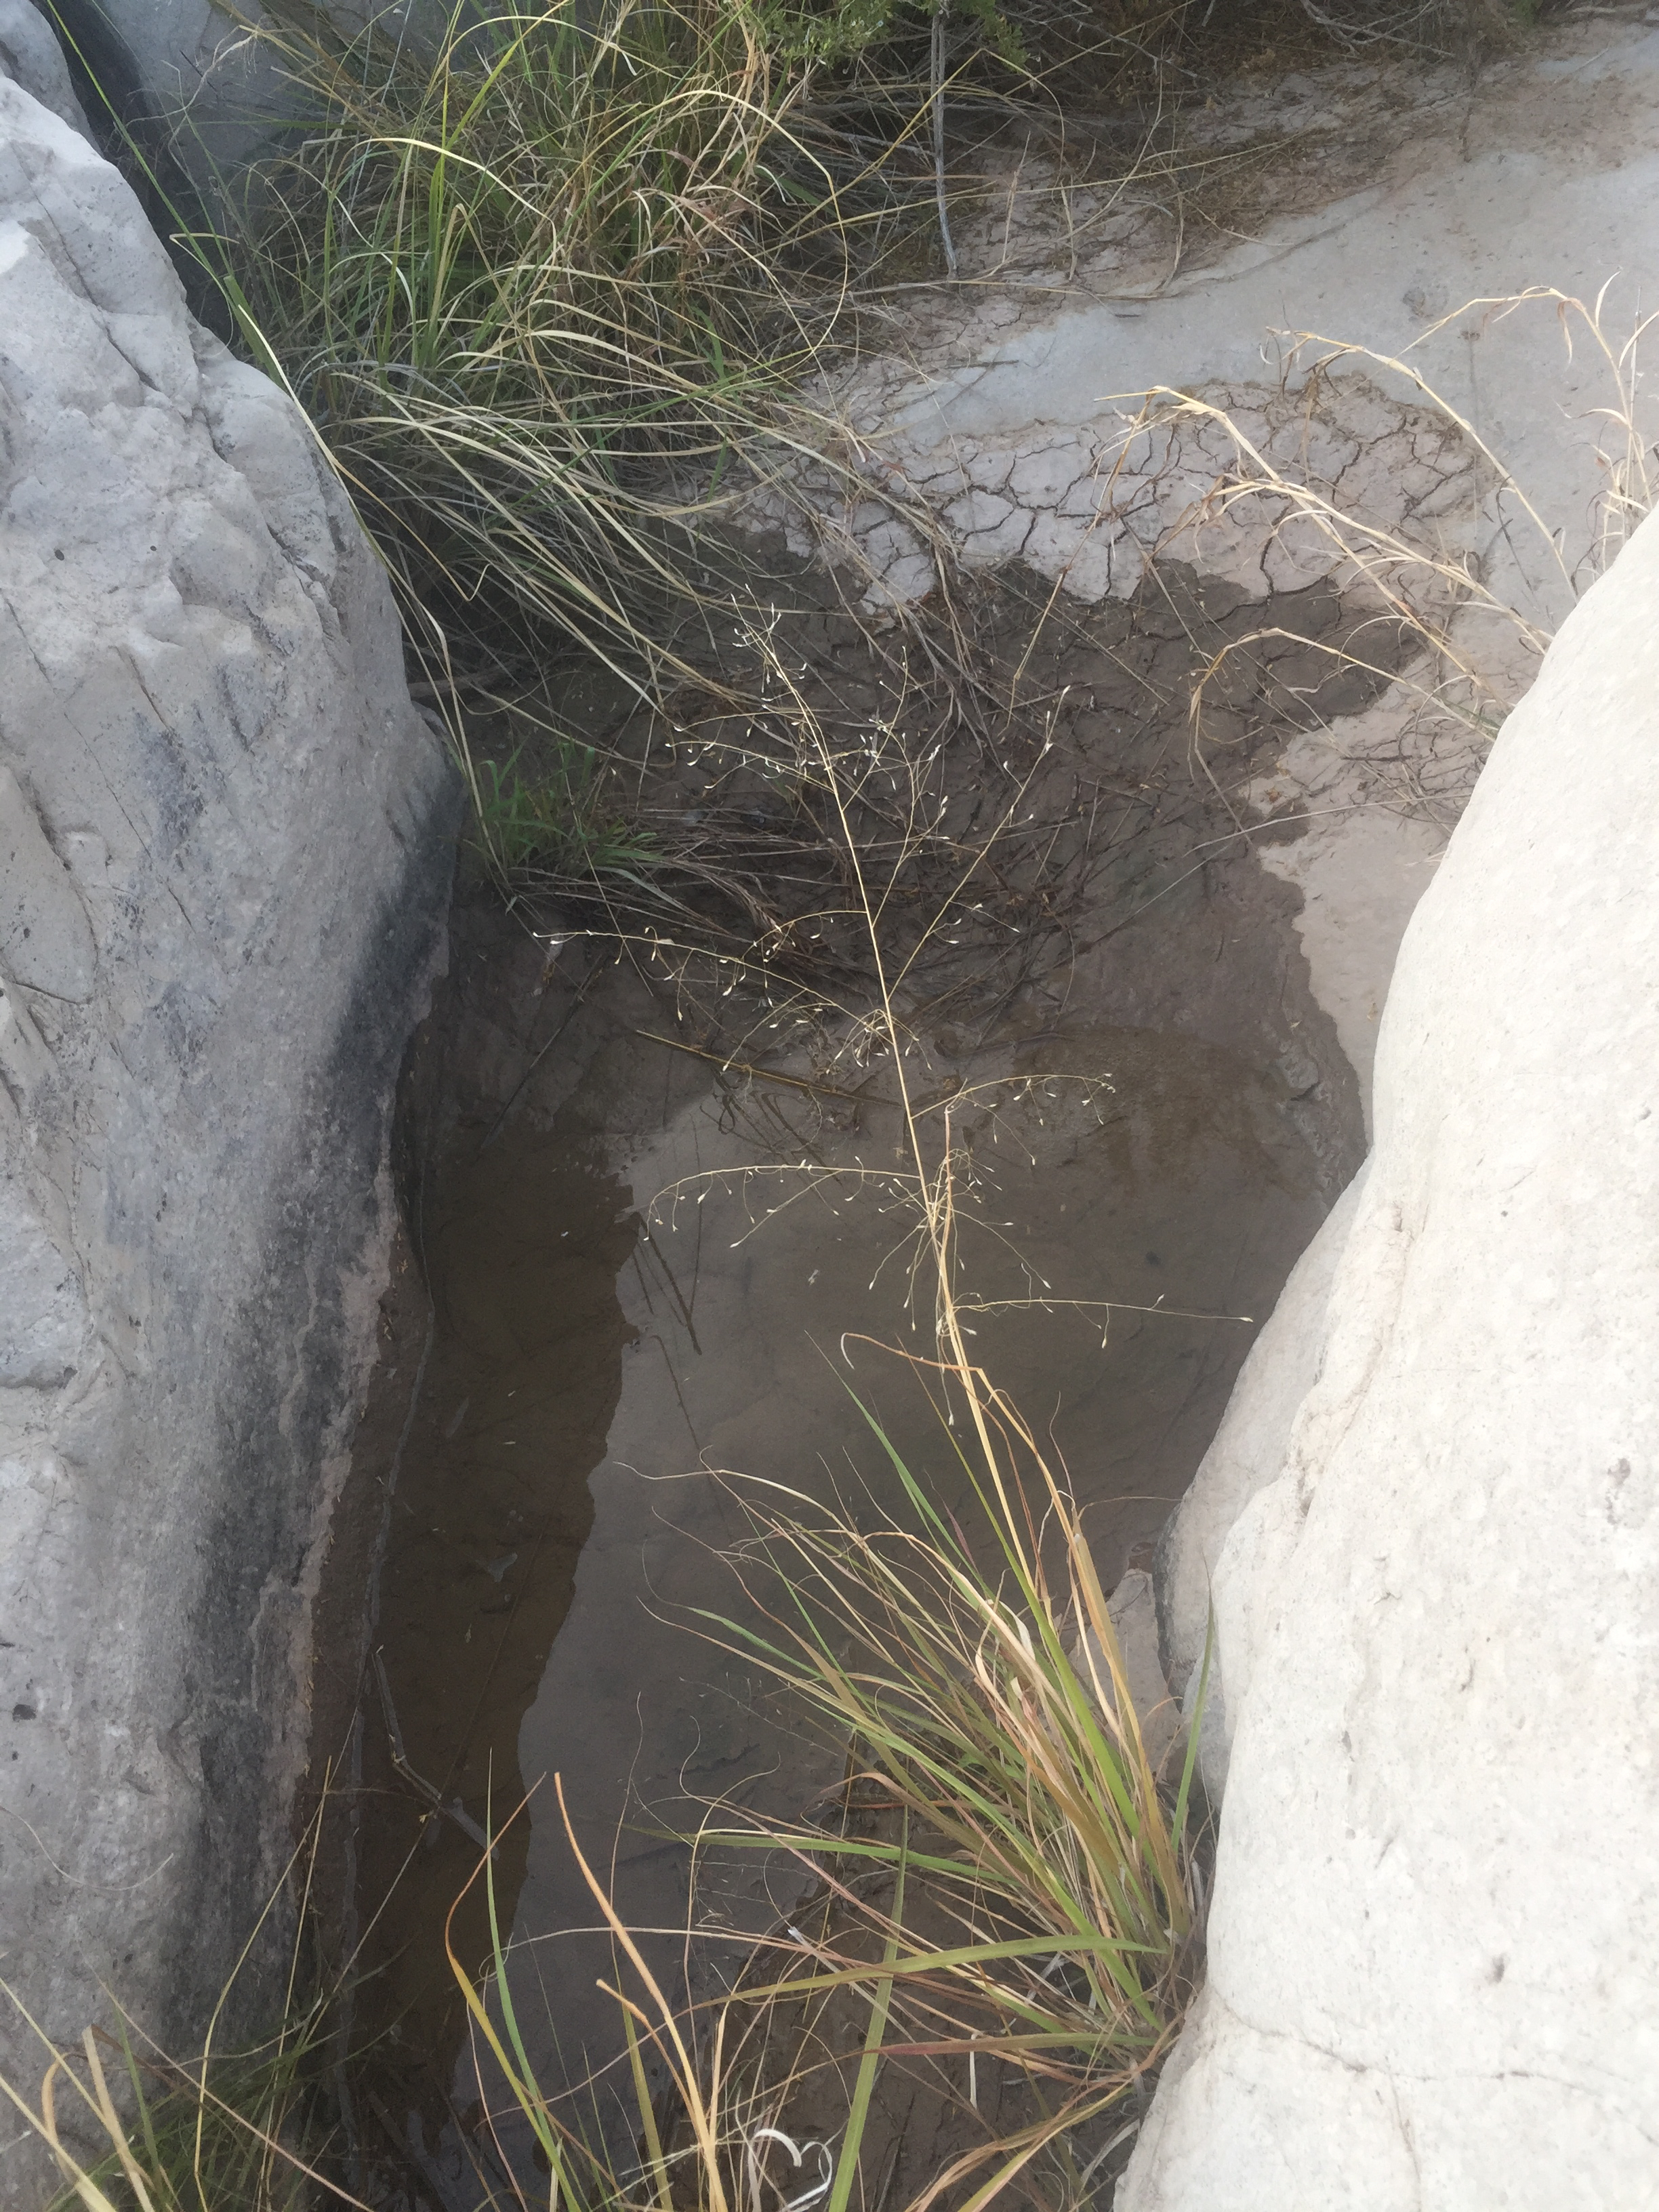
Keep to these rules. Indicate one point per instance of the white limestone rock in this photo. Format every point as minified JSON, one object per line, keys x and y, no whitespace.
{"x":1248,"y":1454}
{"x":1434,"y":1945}
{"x":225,"y":840}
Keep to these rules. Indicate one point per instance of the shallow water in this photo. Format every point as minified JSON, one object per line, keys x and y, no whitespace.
{"x":1176,"y":1185}
{"x":622,"y":1312}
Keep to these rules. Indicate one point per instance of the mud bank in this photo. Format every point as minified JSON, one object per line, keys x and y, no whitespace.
{"x":1418,"y":300}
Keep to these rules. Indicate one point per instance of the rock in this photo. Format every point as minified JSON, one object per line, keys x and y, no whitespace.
{"x":1248,"y":1454}
{"x":45,"y":939}
{"x":30,"y":55}
{"x":1432,"y":1978}
{"x":1133,"y":1615}
{"x":184,"y":78}
{"x":225,"y":843}
{"x":181,"y":76}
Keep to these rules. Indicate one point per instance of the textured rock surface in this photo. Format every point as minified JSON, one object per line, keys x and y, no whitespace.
{"x":1248,"y":1454}
{"x":224,"y":844}
{"x":166,"y":67}
{"x":30,"y":55}
{"x":1434,"y":1948}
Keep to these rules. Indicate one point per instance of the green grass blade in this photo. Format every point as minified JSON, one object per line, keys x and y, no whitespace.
{"x":870,"y":2061}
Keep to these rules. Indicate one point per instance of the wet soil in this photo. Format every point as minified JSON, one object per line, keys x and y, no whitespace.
{"x":629,"y":1270}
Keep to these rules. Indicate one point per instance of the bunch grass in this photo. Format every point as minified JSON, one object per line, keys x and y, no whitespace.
{"x":539,"y":291}
{"x":552,"y":289}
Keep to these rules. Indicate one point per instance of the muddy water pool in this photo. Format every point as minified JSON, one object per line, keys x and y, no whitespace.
{"x":643,"y":1273}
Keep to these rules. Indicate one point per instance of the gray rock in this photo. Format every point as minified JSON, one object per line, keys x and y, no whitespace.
{"x":30,"y":55}
{"x":225,"y":841}
{"x":1432,"y":1526}
{"x":185,"y":77}
{"x":1132,"y":1612}
{"x":180,"y":75}
{"x":45,"y":939}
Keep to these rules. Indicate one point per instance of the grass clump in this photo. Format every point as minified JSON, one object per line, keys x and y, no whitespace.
{"x":562,"y":820}
{"x":998,"y":1778}
{"x":543,"y":291}
{"x":1002,"y":1902}
{"x":134,"y":2132}
{"x":550,"y":290}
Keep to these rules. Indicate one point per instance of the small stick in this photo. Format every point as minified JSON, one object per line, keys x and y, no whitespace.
{"x":418,"y":1782}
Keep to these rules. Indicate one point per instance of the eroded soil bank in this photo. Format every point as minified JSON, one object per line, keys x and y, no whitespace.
{"x":641,"y":1256}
